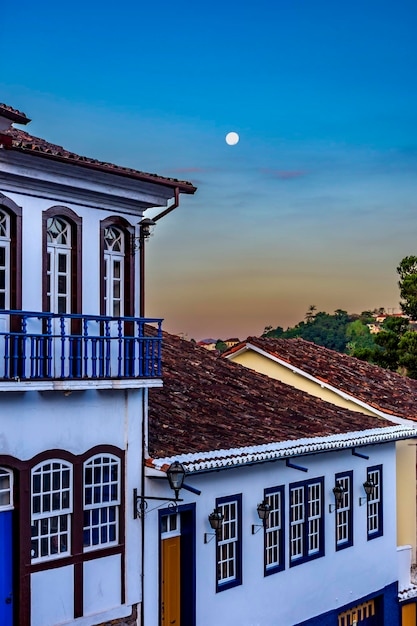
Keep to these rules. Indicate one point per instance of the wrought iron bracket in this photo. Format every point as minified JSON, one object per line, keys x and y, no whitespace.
{"x":140,"y":503}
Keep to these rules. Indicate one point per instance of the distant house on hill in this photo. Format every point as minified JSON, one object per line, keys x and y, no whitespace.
{"x":233,"y":341}
{"x":253,"y":447}
{"x":208,"y":344}
{"x":380,"y":318}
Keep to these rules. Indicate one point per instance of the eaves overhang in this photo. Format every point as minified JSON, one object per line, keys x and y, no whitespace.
{"x":34,"y":147}
{"x":215,"y":460}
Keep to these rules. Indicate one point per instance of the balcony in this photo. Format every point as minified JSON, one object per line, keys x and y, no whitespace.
{"x":51,"y":351}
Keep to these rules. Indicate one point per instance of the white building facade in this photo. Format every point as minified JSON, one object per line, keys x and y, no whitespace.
{"x":75,"y":369}
{"x":315,"y":561}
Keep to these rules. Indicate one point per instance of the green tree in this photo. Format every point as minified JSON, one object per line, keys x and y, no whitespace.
{"x":325,"y":330}
{"x":359,"y":337}
{"x":366,"y":317}
{"x":273,"y":332}
{"x":311,"y":313}
{"x":387,"y":352}
{"x":407,"y":271}
{"x":407,"y":349}
{"x":221,"y":346}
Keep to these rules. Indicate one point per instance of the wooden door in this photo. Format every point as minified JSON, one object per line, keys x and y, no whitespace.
{"x":171,"y":581}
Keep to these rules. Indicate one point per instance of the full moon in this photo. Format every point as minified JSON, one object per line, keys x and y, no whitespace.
{"x":232,"y":138}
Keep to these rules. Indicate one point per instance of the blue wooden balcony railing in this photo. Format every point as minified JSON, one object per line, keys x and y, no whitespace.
{"x":45,"y":346}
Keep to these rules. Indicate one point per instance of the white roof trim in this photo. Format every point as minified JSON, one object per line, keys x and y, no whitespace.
{"x":323,"y":384}
{"x":232,"y":457}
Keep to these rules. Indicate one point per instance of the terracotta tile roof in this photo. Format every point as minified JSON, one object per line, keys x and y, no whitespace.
{"x":13,"y":114}
{"x":23,"y":142}
{"x":380,"y":388}
{"x":209,"y":403}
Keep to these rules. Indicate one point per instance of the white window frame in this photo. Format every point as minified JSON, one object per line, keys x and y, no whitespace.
{"x":172,"y":528}
{"x":114,"y":253}
{"x":274,"y":544}
{"x":306,"y":520}
{"x":228,"y":565}
{"x":374,"y":503}
{"x":51,"y":520}
{"x":297,"y":521}
{"x":59,"y":246}
{"x":344,"y":512}
{"x":5,"y":242}
{"x":6,"y":489}
{"x":101,"y":501}
{"x":314,"y":501}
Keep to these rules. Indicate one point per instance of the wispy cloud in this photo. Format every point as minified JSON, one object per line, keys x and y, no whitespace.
{"x":283,"y":174}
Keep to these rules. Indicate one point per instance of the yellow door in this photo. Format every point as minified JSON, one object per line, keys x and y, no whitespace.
{"x":409,"y":615}
{"x":170,"y":584}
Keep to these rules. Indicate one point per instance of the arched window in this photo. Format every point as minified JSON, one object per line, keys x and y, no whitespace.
{"x":114,"y":271}
{"x":10,"y":254}
{"x":62,"y":261}
{"x":58,"y":265}
{"x":51,"y":499}
{"x":102,"y":496}
{"x":5,"y":240}
{"x":117,"y":267}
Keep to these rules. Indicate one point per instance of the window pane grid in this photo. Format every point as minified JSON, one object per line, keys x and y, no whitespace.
{"x":314,"y":516}
{"x":306,"y":520}
{"x":273,"y":556}
{"x":114,"y":254}
{"x":58,"y":274}
{"x":227,"y":544}
{"x":51,"y":502}
{"x":374,"y":502}
{"x":50,"y":537}
{"x":343,"y":512}
{"x":4,"y":225}
{"x":4,"y":260}
{"x":101,"y":501}
{"x":296,"y":522}
{"x":6,"y":489}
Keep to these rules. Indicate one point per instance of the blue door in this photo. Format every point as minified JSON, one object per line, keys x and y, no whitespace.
{"x":6,"y":544}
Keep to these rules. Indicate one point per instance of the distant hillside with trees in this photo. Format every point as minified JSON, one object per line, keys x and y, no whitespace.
{"x":394,"y":347}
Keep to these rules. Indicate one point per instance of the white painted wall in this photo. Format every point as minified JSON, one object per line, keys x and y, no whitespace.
{"x":102,"y":588}
{"x":34,"y":422}
{"x":297,"y":593}
{"x":52,"y":596}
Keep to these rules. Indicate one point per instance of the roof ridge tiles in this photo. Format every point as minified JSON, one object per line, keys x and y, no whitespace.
{"x":23,"y":142}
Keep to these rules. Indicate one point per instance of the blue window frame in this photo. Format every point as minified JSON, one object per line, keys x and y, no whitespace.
{"x":274,"y":535}
{"x":344,"y":511}
{"x":229,"y":543}
{"x":306,"y":541}
{"x":375,"y":504}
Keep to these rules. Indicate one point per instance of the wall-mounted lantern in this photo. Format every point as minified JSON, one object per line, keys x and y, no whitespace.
{"x":369,"y":487}
{"x":264,"y":510}
{"x":216,"y":521}
{"x":338,"y":492}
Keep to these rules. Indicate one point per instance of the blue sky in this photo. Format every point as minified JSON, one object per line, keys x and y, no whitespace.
{"x":317,"y":202}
